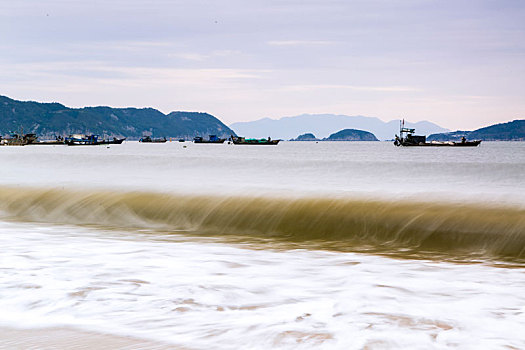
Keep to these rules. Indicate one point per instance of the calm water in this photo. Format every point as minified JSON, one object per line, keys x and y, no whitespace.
{"x":304,"y":245}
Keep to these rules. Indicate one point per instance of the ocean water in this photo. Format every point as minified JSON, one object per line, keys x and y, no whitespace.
{"x":330,"y":245}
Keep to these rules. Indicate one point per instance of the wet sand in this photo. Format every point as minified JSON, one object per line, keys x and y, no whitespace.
{"x":65,"y":338}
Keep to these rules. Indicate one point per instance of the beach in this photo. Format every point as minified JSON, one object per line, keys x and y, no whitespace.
{"x":330,"y":245}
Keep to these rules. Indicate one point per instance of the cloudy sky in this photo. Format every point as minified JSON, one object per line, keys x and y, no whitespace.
{"x":459,"y":63}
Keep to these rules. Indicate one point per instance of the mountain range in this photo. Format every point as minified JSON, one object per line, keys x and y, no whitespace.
{"x":511,"y":131}
{"x":323,"y":125}
{"x":50,"y":119}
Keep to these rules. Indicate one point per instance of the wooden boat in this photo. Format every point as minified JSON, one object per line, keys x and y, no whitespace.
{"x":148,"y":139}
{"x":407,"y":138}
{"x":244,"y":141}
{"x":13,"y":140}
{"x":18,"y":140}
{"x":211,"y":139}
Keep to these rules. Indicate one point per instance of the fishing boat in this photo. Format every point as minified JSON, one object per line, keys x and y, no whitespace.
{"x":17,"y":139}
{"x":211,"y":139}
{"x":113,"y":141}
{"x":407,"y":138}
{"x":148,"y":139}
{"x":90,"y":140}
{"x":81,"y":139}
{"x":244,"y":141}
{"x":13,"y":140}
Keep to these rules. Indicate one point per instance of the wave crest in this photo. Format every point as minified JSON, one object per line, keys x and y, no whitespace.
{"x":448,"y":228}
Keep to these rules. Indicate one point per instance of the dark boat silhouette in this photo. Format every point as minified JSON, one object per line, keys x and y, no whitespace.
{"x":407,"y":138}
{"x":148,"y":139}
{"x":211,"y":139}
{"x":20,"y":139}
{"x":113,"y":141}
{"x":244,"y":141}
{"x":13,"y":140}
{"x":90,"y":140}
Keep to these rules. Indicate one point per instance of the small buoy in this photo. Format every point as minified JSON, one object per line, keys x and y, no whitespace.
{"x":184,"y":146}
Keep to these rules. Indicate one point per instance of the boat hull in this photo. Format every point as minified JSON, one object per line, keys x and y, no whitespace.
{"x":442,"y":144}
{"x":219,"y":141}
{"x":148,"y":139}
{"x":273,"y":142}
{"x":211,"y":139}
{"x":244,"y":141}
{"x":93,"y":142}
{"x":112,"y":142}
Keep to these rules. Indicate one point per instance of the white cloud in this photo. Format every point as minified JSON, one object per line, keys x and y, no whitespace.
{"x":78,"y":72}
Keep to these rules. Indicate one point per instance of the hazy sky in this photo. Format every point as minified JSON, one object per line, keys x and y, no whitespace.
{"x":459,"y":63}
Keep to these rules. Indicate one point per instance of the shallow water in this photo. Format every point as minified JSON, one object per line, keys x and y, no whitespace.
{"x":304,"y":245}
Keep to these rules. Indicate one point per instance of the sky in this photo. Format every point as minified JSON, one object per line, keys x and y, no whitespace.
{"x":458,"y":63}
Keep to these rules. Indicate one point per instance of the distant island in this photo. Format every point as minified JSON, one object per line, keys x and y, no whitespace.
{"x":351,"y":135}
{"x":50,"y":119}
{"x":323,"y":125}
{"x":511,"y":131}
{"x":343,"y":135}
{"x":306,"y":137}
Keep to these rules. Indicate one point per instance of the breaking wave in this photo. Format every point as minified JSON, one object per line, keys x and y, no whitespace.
{"x":336,"y":223}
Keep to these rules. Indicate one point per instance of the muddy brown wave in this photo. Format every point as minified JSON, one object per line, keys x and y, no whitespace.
{"x":337,"y":223}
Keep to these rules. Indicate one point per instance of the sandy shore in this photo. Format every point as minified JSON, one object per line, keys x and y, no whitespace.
{"x":63,"y":338}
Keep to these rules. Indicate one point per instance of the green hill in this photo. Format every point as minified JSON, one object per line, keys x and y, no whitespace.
{"x":351,"y":135}
{"x":511,"y":131}
{"x":50,"y":119}
{"x":306,"y":137}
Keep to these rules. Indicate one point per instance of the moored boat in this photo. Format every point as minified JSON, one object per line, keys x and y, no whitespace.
{"x":17,"y":139}
{"x":90,"y":140}
{"x":211,"y":139}
{"x":244,"y":141}
{"x":148,"y":139}
{"x":29,"y":139}
{"x":407,"y":138}
{"x":113,"y":141}
{"x":81,"y":140}
{"x":13,"y":140}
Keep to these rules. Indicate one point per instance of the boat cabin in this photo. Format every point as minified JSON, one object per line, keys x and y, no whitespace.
{"x":407,"y":138}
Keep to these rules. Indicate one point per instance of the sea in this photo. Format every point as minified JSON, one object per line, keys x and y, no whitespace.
{"x":303,"y":245}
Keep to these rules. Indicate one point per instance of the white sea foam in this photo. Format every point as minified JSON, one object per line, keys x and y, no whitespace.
{"x":204,"y":294}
